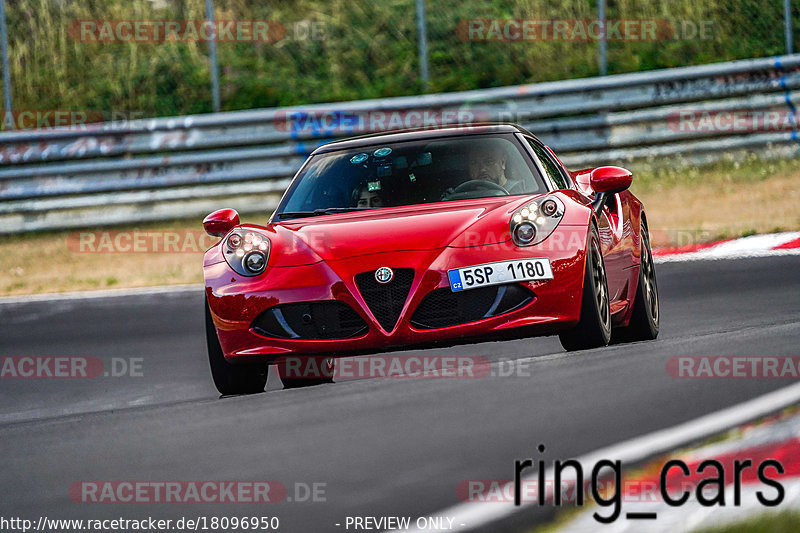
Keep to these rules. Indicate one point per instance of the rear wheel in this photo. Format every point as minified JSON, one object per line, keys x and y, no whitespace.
{"x":644,"y":322}
{"x":594,"y":328}
{"x":302,"y":371}
{"x":232,"y":379}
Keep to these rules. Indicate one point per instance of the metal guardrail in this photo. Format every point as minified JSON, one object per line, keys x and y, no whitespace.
{"x":179,"y":167}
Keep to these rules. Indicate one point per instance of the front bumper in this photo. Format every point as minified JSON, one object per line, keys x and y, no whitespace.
{"x":236,"y":301}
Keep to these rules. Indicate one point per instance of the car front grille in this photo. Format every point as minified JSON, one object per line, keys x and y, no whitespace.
{"x":386,"y":301}
{"x":330,"y":319}
{"x":443,"y":308}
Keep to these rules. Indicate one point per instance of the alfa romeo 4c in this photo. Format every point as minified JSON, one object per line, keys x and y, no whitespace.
{"x":429,"y":237}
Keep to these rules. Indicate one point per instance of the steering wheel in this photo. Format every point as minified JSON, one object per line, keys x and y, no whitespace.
{"x":474,"y":185}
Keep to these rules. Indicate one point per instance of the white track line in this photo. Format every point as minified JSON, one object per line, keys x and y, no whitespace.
{"x":108,"y":293}
{"x":475,"y":515}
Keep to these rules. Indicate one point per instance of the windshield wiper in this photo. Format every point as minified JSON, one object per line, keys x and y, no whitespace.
{"x":318,"y":212}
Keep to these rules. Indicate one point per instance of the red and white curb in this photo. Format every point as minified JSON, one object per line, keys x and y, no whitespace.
{"x":778,"y":440}
{"x":787,"y":243}
{"x":479,"y":515}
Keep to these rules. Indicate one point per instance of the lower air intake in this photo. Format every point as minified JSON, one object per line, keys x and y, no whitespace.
{"x":443,"y":308}
{"x":310,"y":320}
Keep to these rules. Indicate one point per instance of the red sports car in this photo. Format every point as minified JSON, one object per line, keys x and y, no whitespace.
{"x":428,"y":237}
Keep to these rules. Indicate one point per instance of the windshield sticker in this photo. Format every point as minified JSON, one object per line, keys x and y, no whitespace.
{"x":382,"y":152}
{"x":374,"y":186}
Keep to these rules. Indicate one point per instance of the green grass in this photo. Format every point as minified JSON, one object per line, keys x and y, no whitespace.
{"x":369,"y":49}
{"x":783,"y":522}
{"x":750,"y":169}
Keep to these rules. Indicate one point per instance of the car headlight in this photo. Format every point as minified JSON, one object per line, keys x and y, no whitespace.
{"x":534,"y":222}
{"x":247,"y":252}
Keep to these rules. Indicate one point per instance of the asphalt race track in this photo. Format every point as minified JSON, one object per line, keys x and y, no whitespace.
{"x":396,"y":447}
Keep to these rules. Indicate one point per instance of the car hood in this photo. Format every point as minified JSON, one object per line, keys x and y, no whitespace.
{"x":419,"y":227}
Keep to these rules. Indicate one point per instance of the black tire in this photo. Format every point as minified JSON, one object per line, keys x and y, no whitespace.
{"x":644,"y":322}
{"x":594,"y":328}
{"x":306,"y":371}
{"x":232,"y":379}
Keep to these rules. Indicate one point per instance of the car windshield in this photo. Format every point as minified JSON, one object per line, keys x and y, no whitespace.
{"x":409,"y":173}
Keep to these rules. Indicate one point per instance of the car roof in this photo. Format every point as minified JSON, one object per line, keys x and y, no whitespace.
{"x":454,"y":130}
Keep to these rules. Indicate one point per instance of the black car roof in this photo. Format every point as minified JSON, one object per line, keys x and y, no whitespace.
{"x":454,"y":130}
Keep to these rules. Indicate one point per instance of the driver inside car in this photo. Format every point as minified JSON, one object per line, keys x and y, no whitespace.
{"x":488,"y":162}
{"x":363,"y":197}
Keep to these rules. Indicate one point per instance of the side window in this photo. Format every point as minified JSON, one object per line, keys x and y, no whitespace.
{"x":549,"y":165}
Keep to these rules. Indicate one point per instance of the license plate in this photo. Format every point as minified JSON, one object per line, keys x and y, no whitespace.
{"x":500,"y":272}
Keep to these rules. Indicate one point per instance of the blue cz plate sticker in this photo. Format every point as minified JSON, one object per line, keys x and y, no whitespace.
{"x":536,"y":269}
{"x":455,"y":280}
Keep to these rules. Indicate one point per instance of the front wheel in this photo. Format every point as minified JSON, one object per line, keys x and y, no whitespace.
{"x":594,"y":328}
{"x":232,"y":379}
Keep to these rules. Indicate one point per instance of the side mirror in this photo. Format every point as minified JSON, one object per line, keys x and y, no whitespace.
{"x":607,"y":181}
{"x":610,"y":180}
{"x":219,"y":223}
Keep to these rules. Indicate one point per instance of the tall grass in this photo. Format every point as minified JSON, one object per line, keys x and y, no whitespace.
{"x":369,"y":50}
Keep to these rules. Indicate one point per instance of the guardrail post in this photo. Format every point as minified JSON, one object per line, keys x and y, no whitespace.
{"x":212,"y":52}
{"x":6,"y":72}
{"x":787,"y":25}
{"x":603,"y":45}
{"x":422,"y":39}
